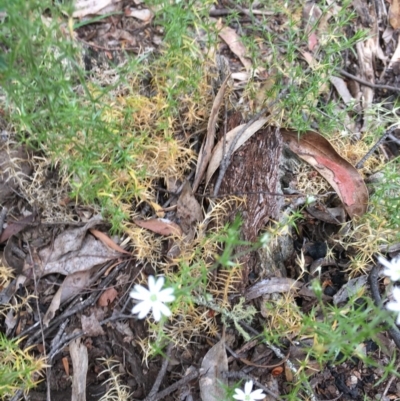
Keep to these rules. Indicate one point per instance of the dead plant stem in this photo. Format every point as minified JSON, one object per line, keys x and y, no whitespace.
{"x":161,"y":374}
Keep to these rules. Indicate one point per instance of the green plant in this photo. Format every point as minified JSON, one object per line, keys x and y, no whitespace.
{"x":19,"y":369}
{"x":116,"y":391}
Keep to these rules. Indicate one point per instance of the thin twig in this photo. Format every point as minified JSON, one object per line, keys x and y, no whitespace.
{"x":180,"y":383}
{"x":161,"y":374}
{"x":48,"y":368}
{"x":366,"y":83}
{"x":360,"y":164}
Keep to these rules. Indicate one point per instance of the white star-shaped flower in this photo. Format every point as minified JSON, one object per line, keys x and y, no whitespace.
{"x":395,"y":305}
{"x":247,"y":394}
{"x":153,"y":299}
{"x":392,"y":268}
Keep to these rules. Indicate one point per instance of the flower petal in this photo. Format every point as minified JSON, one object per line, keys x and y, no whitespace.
{"x":393,"y":306}
{"x":152,"y":282}
{"x":393,"y":274}
{"x":384,"y":262}
{"x":396,"y":293}
{"x":142,"y":308}
{"x":248,"y":387}
{"x":164,"y":309}
{"x":139,"y":292}
{"x":157,"y":312}
{"x":239,"y":394}
{"x":166,"y":295}
{"x":257,"y":395}
{"x":159,"y":284}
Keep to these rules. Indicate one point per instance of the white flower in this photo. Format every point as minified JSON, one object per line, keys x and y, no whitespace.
{"x":395,"y":305}
{"x":392,"y":268}
{"x":247,"y":394}
{"x":152,"y":299}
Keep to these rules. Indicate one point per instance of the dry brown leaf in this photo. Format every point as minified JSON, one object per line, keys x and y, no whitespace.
{"x":232,"y":39}
{"x":79,"y":357}
{"x":14,"y":228}
{"x":107,"y":297}
{"x":74,"y":251}
{"x":65,"y":363}
{"x":271,"y":286}
{"x":341,"y":87}
{"x":90,"y":7}
{"x":215,"y":362}
{"x":160,"y":226}
{"x":71,"y":286}
{"x":188,"y":209}
{"x":208,"y":144}
{"x":394,"y":14}
{"x":91,"y":326}
{"x":217,"y":154}
{"x":106,"y":240}
{"x":341,"y":175}
{"x":144,"y":15}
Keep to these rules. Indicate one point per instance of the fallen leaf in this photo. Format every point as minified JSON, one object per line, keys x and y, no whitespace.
{"x":65,"y":363}
{"x":90,"y":7}
{"x":74,"y":251}
{"x":144,"y":15}
{"x":341,"y":175}
{"x":394,"y":14}
{"x":79,"y":358}
{"x":355,"y":286}
{"x":72,"y":285}
{"x":188,"y":209}
{"x":211,"y":382}
{"x":217,"y":154}
{"x":342,"y":89}
{"x":312,"y":41}
{"x":91,"y":326}
{"x":107,"y":297}
{"x":15,"y":227}
{"x":160,"y":226}
{"x":208,"y":144}
{"x":232,"y":39}
{"x":106,"y":240}
{"x":125,"y":330}
{"x":271,"y":286}
{"x":10,"y":321}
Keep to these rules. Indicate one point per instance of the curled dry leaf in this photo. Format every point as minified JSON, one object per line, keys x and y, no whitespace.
{"x":217,"y":154}
{"x":160,"y":226}
{"x":208,"y":144}
{"x":232,"y":39}
{"x":106,"y":240}
{"x":341,"y":175}
{"x":214,"y":364}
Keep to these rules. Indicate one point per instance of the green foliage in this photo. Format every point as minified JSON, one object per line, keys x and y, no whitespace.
{"x":19,"y":370}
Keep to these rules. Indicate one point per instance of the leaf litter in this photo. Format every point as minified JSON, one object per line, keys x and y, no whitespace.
{"x":79,"y":253}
